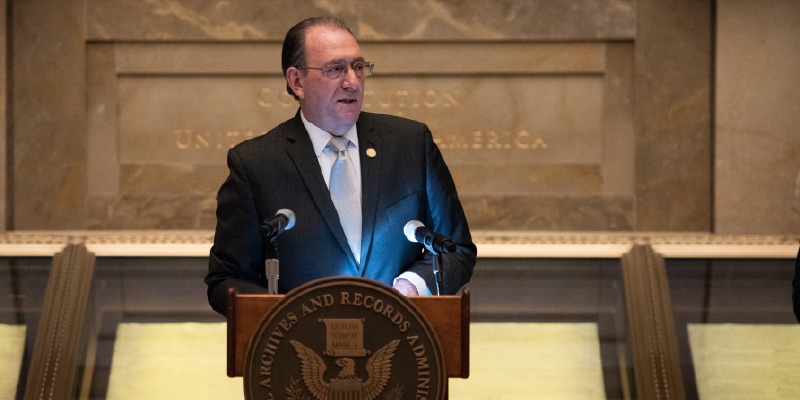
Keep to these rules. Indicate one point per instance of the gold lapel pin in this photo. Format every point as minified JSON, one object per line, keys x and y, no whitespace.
{"x":371,"y":153}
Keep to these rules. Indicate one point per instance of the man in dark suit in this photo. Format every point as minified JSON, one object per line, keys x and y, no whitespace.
{"x":796,"y":288}
{"x":353,"y":180}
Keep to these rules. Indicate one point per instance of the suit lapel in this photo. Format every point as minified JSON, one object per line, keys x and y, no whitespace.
{"x":370,"y":158}
{"x":301,"y":151}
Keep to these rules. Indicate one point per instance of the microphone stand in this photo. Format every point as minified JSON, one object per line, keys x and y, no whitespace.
{"x":438,"y":265}
{"x":271,"y":228}
{"x":271,"y":268}
{"x":438,"y":273}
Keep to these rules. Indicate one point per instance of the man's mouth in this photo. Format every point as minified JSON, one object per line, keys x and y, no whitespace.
{"x":347,"y":101}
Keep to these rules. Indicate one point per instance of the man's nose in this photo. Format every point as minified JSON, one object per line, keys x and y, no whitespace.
{"x":350,"y":80}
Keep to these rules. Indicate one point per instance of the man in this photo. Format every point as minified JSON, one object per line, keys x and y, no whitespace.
{"x":352,"y":179}
{"x":796,"y":288}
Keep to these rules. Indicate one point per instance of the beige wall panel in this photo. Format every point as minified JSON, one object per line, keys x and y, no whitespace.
{"x":758,"y":115}
{"x":4,"y":189}
{"x":549,"y":212}
{"x":500,"y":119}
{"x":505,"y":19}
{"x":372,"y":20}
{"x":121,"y":20}
{"x":157,"y":58}
{"x":49,"y":106}
{"x":151,"y":211}
{"x":619,"y":134}
{"x":530,"y":179}
{"x":485,"y":58}
{"x":673,"y":107}
{"x":390,"y":58}
{"x":171,"y":180}
{"x":101,"y":121}
{"x":194,"y":120}
{"x":530,"y":137}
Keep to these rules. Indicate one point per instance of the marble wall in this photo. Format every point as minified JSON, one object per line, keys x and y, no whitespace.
{"x":673,"y":109}
{"x":3,"y":117}
{"x":569,"y":115}
{"x":758,"y":117}
{"x":48,"y":121}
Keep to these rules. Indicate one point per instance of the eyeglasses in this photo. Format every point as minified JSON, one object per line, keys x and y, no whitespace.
{"x":333,"y":71}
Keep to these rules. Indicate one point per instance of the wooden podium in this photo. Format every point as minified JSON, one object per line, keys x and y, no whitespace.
{"x":448,"y":316}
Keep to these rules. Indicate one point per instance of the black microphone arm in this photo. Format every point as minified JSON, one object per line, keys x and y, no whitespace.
{"x":283,"y":221}
{"x":435,"y":243}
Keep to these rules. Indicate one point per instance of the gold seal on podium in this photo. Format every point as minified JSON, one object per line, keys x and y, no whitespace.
{"x":344,"y":338}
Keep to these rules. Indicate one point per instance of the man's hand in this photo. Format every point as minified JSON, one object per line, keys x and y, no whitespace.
{"x":405,"y":287}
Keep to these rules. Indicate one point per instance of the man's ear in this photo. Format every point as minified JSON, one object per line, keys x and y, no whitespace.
{"x":293,"y":79}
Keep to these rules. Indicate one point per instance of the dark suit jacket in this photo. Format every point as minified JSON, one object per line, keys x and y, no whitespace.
{"x":796,"y":288}
{"x":406,"y":180}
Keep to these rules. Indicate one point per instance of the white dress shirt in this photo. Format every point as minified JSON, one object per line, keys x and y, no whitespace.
{"x":326,"y":158}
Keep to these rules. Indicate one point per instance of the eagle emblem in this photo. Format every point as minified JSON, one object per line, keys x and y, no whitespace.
{"x":379,"y":368}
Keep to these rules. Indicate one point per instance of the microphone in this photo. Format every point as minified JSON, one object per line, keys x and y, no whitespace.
{"x":283,"y":221}
{"x":416,"y":232}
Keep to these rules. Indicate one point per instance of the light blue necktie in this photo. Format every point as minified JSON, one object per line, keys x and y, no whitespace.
{"x":344,"y":193}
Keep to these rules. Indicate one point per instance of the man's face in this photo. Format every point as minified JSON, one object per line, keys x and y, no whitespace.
{"x":331,"y":104}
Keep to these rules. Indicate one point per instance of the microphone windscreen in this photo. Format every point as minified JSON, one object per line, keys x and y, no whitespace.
{"x":289,"y":216}
{"x":411,"y":228}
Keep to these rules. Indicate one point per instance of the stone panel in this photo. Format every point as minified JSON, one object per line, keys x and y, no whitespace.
{"x":101,"y":127}
{"x":506,"y":120}
{"x":151,"y":211}
{"x":440,"y":58}
{"x":519,"y":179}
{"x":549,"y":213}
{"x":527,"y":101}
{"x":619,"y":135}
{"x":431,"y":58}
{"x":108,"y":95}
{"x":673,"y":106}
{"x":225,"y":58}
{"x":194,"y":120}
{"x":540,"y":124}
{"x":252,"y":20}
{"x":506,"y":19}
{"x":543,"y":119}
{"x":758,"y":114}
{"x":545,"y":95}
{"x":159,"y":20}
{"x":49,"y":115}
{"x":4,"y":87}
{"x":174,"y":180}
{"x":534,"y":212}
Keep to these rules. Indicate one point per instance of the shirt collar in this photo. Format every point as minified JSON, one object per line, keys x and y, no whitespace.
{"x":320,"y":138}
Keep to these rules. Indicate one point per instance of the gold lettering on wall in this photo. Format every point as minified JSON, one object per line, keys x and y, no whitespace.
{"x":397,"y":100}
{"x":188,"y":139}
{"x":268,"y":98}
{"x":494,"y":140}
{"x":392,"y":101}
